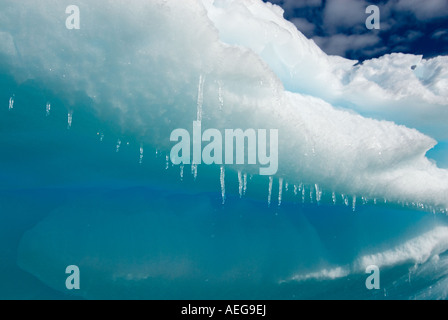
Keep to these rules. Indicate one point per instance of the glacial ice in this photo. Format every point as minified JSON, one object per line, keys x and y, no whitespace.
{"x":149,"y":67}
{"x":398,"y":87}
{"x":268,"y":73}
{"x":416,"y":251}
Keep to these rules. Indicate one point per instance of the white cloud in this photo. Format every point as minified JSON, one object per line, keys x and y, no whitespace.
{"x":408,"y":37}
{"x":344,"y":14}
{"x":294,"y":4}
{"x":424,"y":10}
{"x":339,"y":44}
{"x":304,"y":25}
{"x":439,"y":34}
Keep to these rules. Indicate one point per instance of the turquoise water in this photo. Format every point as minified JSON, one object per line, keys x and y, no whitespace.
{"x":137,"y":229}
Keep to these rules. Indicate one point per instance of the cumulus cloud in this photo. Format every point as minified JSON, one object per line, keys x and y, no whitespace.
{"x":424,"y":10}
{"x":401,"y":43}
{"x":304,"y":26}
{"x":294,"y":4}
{"x":344,"y":14}
{"x":338,"y":26}
{"x":440,"y":34}
{"x":340,"y":44}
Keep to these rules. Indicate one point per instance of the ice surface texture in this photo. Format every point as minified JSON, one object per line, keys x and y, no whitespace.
{"x":140,"y":64}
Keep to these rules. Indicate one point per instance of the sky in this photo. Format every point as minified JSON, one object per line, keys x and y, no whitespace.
{"x":338,"y":26}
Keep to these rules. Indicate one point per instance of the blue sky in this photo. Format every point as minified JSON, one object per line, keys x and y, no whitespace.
{"x":338,"y":26}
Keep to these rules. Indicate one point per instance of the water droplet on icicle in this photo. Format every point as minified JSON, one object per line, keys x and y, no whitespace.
{"x":271,"y":180}
{"x":222,"y":179}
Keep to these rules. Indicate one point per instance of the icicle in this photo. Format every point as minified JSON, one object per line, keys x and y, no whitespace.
{"x":354,"y":204}
{"x":271,"y":180}
{"x":345,"y":199}
{"x":311,"y":195}
{"x":194,"y":171}
{"x":47,"y":109}
{"x":318,"y":193}
{"x":374,"y":200}
{"x":182,"y":172}
{"x":295,"y":190}
{"x":286,"y":186}
{"x":364,"y":200}
{"x":101,"y":135}
{"x":220,"y":97}
{"x":69,"y":119}
{"x":167,"y":164}
{"x":240,"y":183}
{"x":11,"y":103}
{"x":333,"y":196}
{"x":244,"y":183}
{"x":117,"y":149}
{"x":200,"y":97}
{"x":280,"y":191}
{"x":140,"y":160}
{"x":222,"y":179}
{"x":303,"y":194}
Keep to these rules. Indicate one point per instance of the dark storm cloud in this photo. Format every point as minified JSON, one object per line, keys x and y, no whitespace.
{"x":338,"y":26}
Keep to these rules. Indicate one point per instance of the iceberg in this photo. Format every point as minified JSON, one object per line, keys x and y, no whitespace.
{"x":148,"y":87}
{"x":134,"y":72}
